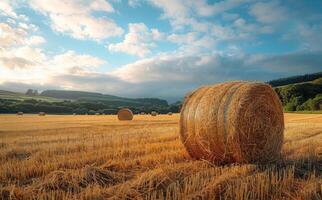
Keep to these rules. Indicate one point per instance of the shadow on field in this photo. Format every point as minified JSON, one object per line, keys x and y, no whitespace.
{"x":303,"y":167}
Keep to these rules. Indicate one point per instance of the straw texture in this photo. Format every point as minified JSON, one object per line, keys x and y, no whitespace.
{"x":125,"y":114}
{"x":239,"y":122}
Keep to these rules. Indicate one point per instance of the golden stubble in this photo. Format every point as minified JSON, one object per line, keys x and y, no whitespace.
{"x":88,"y":157}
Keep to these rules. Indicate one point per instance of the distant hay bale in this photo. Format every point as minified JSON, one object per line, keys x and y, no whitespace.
{"x":169,"y":113}
{"x":74,"y":114}
{"x":97,"y":113}
{"x":125,"y":114}
{"x":142,"y":113}
{"x":239,"y":122}
{"x":153,"y":113}
{"x":19,"y":113}
{"x":42,"y":114}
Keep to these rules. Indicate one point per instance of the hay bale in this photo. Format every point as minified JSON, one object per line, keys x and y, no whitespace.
{"x":142,"y":113}
{"x":19,"y":113}
{"x":125,"y":114}
{"x":233,"y":122}
{"x":97,"y":113}
{"x":169,"y":113}
{"x":153,"y":113}
{"x":42,"y":114}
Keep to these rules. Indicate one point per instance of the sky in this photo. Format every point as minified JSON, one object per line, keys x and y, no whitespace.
{"x":155,"y":48}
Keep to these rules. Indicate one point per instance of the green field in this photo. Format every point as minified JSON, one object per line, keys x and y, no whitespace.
{"x":21,"y":97}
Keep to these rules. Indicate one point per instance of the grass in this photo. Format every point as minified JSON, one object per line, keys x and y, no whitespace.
{"x":99,"y":157}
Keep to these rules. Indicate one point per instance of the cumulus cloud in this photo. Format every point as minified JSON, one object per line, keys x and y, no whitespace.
{"x":17,"y":47}
{"x":71,"y":60}
{"x":35,"y":40}
{"x":183,"y":13}
{"x":22,"y":57}
{"x":157,"y":76}
{"x":134,"y":3}
{"x":6,"y":8}
{"x":268,"y":12}
{"x":75,"y":18}
{"x":138,"y":41}
{"x":15,"y":62}
{"x":11,"y":36}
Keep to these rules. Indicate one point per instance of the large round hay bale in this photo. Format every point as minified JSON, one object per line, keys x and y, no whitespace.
{"x":19,"y":113}
{"x":125,"y":114}
{"x":154,"y":113}
{"x":239,"y":122}
{"x":169,"y":113}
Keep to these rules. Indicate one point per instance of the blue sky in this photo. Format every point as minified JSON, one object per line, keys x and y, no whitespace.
{"x":155,"y":48}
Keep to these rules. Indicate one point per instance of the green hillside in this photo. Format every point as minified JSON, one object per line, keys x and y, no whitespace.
{"x":20,"y":96}
{"x":306,"y":96}
{"x":295,"y":79}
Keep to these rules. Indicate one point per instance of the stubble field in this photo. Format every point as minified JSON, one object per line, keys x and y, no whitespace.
{"x":99,"y":157}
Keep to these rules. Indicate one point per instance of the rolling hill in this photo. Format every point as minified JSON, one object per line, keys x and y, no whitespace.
{"x":98,"y":97}
{"x":21,"y":96}
{"x":302,"y":96}
{"x":295,"y":79}
{"x":79,"y":102}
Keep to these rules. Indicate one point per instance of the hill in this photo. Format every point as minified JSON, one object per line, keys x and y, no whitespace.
{"x":295,"y":79}
{"x":98,"y":97}
{"x":68,"y":102}
{"x":20,"y":96}
{"x":301,"y":96}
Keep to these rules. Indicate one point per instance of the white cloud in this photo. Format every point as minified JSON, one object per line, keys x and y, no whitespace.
{"x":6,"y":8}
{"x":10,"y":36}
{"x":35,"y":40}
{"x":18,"y":50}
{"x":32,"y":66}
{"x":229,"y":16}
{"x":204,"y":9}
{"x":134,"y":3}
{"x":75,"y":18}
{"x":187,"y":38}
{"x":71,"y":60}
{"x":138,"y":41}
{"x":183,"y":13}
{"x":268,"y":12}
{"x":22,"y":57}
{"x":309,"y":36}
{"x":28,"y":26}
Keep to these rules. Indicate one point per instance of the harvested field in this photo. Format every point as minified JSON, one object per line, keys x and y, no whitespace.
{"x":100,"y":157}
